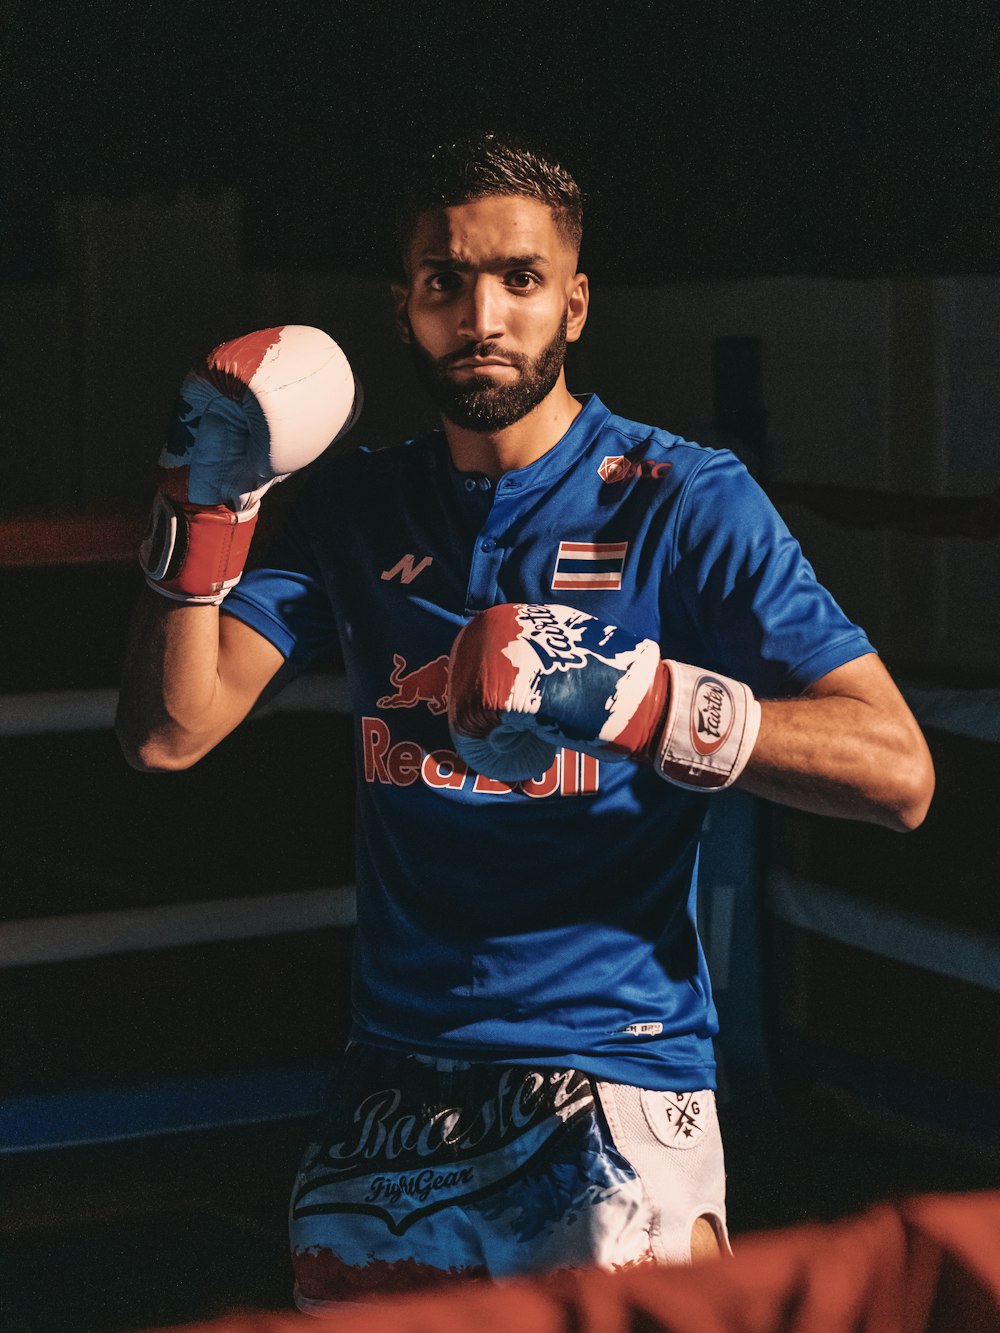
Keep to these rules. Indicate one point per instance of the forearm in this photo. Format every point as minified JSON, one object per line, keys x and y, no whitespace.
{"x":170,"y":687}
{"x":843,"y":756}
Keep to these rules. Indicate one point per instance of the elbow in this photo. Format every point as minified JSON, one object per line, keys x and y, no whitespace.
{"x":913,"y":814}
{"x":152,"y":759}
{"x":148,"y":753}
{"x":914,"y":792}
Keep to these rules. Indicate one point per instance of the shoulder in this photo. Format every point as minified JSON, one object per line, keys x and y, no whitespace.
{"x":364,"y":474}
{"x":638,"y":439}
{"x":364,"y":463}
{"x":716,"y":507}
{"x":634,"y":433}
{"x":628,"y":449}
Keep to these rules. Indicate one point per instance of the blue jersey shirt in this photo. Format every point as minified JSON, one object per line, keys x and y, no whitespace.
{"x":551,"y":923}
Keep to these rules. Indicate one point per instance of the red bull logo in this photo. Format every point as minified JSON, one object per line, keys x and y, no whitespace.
{"x":400,"y":763}
{"x":426,"y":684}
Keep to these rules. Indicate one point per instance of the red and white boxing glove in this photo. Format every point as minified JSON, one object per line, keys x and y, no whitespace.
{"x":524,"y":680}
{"x":256,"y":409}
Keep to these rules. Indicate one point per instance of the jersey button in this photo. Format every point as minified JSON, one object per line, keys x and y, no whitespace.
{"x":488,"y":545}
{"x":470,"y":483}
{"x":483,"y":483}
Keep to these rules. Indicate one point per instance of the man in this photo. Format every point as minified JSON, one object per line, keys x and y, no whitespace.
{"x":529,"y":1083}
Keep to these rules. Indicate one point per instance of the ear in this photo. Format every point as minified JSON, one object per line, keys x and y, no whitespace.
{"x":400,"y":293}
{"x":577,"y":307}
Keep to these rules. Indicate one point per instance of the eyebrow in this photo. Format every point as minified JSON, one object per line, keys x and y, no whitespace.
{"x":453,"y":263}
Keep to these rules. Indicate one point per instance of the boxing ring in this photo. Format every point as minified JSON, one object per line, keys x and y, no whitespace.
{"x":805,"y":905}
{"x":834,"y":936}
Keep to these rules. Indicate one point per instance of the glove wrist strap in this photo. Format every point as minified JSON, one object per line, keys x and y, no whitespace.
{"x":195,"y":553}
{"x":710,"y":729}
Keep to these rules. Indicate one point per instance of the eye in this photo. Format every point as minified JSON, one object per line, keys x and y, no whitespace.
{"x":444,"y":282}
{"x":523,"y":280}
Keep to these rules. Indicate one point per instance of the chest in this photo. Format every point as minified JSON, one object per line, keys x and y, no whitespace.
{"x":412,"y":570}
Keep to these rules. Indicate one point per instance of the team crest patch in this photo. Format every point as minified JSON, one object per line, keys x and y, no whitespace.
{"x":615,"y":468}
{"x":618,"y":467}
{"x":589,"y":565}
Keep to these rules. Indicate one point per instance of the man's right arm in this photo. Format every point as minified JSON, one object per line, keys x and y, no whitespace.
{"x":256,"y":409}
{"x":191,"y":676}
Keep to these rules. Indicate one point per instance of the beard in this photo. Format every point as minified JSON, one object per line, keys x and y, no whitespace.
{"x":479,"y":405}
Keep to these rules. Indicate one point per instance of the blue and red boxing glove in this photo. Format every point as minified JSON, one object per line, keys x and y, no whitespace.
{"x":525,"y":680}
{"x":256,"y":409}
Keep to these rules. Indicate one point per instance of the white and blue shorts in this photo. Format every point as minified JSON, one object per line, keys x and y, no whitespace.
{"x":425,"y":1170}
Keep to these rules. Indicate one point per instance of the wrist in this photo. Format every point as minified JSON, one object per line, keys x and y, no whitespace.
{"x":710,"y":729}
{"x":196,"y":553}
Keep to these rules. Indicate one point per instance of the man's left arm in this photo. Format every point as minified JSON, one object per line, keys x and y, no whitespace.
{"x":808,"y":717}
{"x":848,"y":746}
{"x":525,"y":678}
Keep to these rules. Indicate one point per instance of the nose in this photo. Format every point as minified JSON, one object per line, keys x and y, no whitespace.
{"x":482,"y":311}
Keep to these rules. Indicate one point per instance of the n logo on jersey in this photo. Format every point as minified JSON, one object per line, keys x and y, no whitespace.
{"x":589,"y":565}
{"x":407,"y":567}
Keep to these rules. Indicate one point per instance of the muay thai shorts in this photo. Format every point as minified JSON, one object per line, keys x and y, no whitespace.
{"x":426,"y":1170}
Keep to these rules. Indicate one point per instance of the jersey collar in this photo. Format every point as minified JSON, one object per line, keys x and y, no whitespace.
{"x":555,"y":461}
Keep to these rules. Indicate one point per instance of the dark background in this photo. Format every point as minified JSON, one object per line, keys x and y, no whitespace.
{"x":712,"y":139}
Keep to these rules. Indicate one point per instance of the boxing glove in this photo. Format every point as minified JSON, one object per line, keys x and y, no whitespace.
{"x":255,"y":410}
{"x":524,"y":680}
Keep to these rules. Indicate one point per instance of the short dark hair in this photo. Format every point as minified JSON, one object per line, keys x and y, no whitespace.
{"x":490,"y":163}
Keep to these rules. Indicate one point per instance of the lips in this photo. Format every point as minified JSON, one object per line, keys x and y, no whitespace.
{"x":476,"y":363}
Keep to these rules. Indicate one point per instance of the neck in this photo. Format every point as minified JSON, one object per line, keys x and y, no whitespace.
{"x":497,"y":452}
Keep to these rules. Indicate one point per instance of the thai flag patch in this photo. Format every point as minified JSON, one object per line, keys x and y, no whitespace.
{"x":582,"y":565}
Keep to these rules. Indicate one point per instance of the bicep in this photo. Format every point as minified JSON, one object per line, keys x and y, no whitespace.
{"x":248,"y":664}
{"x":865,"y":679}
{"x":868,"y":681}
{"x":888,"y":715}
{"x":886,"y":723}
{"x":847,"y":746}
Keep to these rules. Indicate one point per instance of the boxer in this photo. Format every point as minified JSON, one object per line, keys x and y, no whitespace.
{"x":564,"y":632}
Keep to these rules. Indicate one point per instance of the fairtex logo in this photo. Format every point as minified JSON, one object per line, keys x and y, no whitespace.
{"x":400,"y":763}
{"x":560,"y":643}
{"x":616,"y":467}
{"x":712,"y":714}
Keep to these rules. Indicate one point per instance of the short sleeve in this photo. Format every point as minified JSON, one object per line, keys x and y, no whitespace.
{"x":288,"y":600}
{"x":751,"y":595}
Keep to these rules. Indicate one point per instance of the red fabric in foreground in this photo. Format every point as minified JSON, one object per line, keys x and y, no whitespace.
{"x":930,"y":1263}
